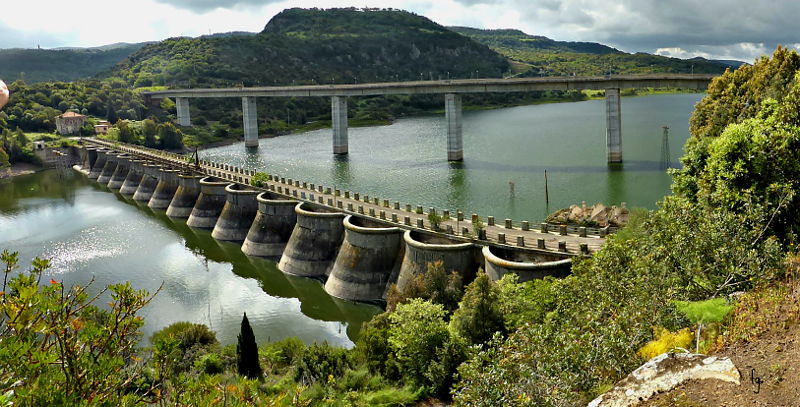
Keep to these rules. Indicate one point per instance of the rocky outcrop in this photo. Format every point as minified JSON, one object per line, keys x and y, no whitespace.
{"x":663,"y":373}
{"x":596,"y":215}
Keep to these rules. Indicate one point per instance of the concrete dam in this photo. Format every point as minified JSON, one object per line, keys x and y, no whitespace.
{"x":359,"y":246}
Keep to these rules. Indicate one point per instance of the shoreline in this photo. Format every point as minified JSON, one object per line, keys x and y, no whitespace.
{"x":20,"y":169}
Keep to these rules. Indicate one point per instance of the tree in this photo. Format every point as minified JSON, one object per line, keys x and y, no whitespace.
{"x":426,"y":353}
{"x":126,"y":134}
{"x":149,"y":129}
{"x":170,"y":137}
{"x":247,"y":351}
{"x":478,"y":316}
{"x":4,"y":163}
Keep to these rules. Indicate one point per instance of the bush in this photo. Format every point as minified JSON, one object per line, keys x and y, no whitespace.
{"x":478,"y":316}
{"x":259,"y":179}
{"x":426,"y":353}
{"x":180,"y":344}
{"x":210,"y":363}
{"x":320,"y":362}
{"x":665,"y":341}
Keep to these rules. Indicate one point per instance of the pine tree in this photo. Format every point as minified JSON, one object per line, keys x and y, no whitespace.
{"x":247,"y":351}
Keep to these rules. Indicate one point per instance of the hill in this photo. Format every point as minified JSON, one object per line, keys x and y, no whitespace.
{"x":316,"y":46}
{"x":65,"y":64}
{"x":533,"y":55}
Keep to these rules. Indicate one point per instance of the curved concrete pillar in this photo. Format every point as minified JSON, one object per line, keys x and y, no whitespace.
{"x":527,"y":265}
{"x":99,"y":163}
{"x":209,"y":204}
{"x":109,"y":167}
{"x":148,"y":183}
{"x":165,"y":190}
{"x":121,"y":172}
{"x":369,"y":256}
{"x":91,"y":157}
{"x":271,"y":228}
{"x":237,"y":215}
{"x":423,"y":248}
{"x":185,"y":196}
{"x":314,"y":243}
{"x":131,"y":183}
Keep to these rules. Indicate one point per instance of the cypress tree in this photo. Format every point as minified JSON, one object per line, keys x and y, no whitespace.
{"x":247,"y":351}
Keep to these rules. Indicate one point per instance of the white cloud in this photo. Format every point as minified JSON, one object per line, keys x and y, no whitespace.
{"x":730,"y":29}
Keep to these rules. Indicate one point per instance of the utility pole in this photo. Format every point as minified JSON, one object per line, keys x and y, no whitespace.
{"x":665,"y":157}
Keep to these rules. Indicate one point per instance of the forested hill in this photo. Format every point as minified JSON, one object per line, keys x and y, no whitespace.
{"x":536,"y":55}
{"x":39,"y":65}
{"x":316,"y":46}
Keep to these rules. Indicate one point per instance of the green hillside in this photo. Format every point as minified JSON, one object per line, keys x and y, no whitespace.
{"x":316,"y":46}
{"x":533,"y":55}
{"x":40,"y":65}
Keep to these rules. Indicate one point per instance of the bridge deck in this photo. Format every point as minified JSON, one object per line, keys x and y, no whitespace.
{"x":305,"y":192}
{"x":688,"y":81}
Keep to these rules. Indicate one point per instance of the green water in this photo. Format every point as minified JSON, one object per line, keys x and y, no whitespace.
{"x":91,"y":233}
{"x":406,"y":161}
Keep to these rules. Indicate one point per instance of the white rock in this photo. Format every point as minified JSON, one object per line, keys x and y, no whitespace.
{"x":663,"y":373}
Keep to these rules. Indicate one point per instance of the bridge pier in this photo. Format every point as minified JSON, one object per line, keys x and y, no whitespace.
{"x":339,"y":124}
{"x":182,"y":106}
{"x":250,"y":117}
{"x":455,"y":145}
{"x":613,"y":125}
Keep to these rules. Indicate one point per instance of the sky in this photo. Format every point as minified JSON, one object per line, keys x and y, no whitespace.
{"x":718,"y":29}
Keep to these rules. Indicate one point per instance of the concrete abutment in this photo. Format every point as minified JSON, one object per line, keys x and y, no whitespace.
{"x":422,"y":249}
{"x":185,"y":197}
{"x":526,"y":265}
{"x":370,"y":255}
{"x":209,"y":204}
{"x":314,"y":243}
{"x":237,"y":215}
{"x":272,"y":227}
{"x":165,"y":190}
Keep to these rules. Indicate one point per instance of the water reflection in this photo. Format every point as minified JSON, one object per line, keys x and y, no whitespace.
{"x":91,"y":233}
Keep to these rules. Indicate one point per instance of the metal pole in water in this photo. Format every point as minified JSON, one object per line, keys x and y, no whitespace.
{"x":546,"y":192}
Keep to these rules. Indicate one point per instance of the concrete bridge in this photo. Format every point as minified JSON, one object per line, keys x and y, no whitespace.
{"x":359,"y":244}
{"x":452,"y":91}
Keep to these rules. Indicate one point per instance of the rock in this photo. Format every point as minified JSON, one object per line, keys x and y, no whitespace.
{"x":663,"y":373}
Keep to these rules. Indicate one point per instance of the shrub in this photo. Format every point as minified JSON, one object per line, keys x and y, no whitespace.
{"x":58,"y":347}
{"x":478,"y":316}
{"x":180,"y":344}
{"x":426,"y":353}
{"x":665,"y":341}
{"x":320,"y":362}
{"x":259,"y":179}
{"x":210,"y":363}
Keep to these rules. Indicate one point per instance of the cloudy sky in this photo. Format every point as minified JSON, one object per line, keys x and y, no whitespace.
{"x":725,"y":29}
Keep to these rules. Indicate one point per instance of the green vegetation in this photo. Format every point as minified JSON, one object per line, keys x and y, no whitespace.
{"x":532,"y":55}
{"x":44,"y":65}
{"x":247,"y":352}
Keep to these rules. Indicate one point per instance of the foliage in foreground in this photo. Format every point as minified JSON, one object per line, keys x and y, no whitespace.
{"x":59,"y":347}
{"x":590,"y":325}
